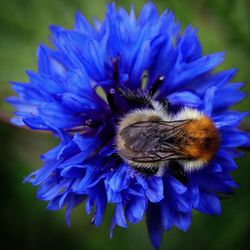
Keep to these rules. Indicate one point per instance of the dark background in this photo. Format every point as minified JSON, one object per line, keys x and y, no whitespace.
{"x":224,"y":25}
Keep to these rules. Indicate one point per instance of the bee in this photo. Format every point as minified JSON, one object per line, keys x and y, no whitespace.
{"x":151,"y":139}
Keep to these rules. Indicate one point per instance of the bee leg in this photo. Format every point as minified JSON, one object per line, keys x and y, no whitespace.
{"x":165,"y":104}
{"x":140,"y":97}
{"x":176,"y":170}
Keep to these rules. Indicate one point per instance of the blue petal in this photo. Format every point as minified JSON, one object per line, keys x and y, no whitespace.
{"x":101,"y":201}
{"x":193,"y":69}
{"x":93,"y":60}
{"x":42,"y":173}
{"x":154,"y":191}
{"x":67,"y":150}
{"x":43,"y":61}
{"x":112,"y":227}
{"x":55,"y":115}
{"x":86,"y":143}
{"x":195,"y":195}
{"x":226,"y":160}
{"x":51,"y":62}
{"x":154,"y":224}
{"x":209,"y":204}
{"x":233,"y":138}
{"x":190,"y":46}
{"x":183,"y":220}
{"x":216,"y":168}
{"x":177,"y":185}
{"x":206,"y":81}
{"x":158,"y":68}
{"x":135,"y":208}
{"x":112,"y":196}
{"x":177,"y":196}
{"x":52,"y":154}
{"x":76,"y":159}
{"x":228,"y":96}
{"x":82,"y":105}
{"x":89,"y":204}
{"x":148,"y":13}
{"x":90,"y":179}
{"x":119,"y":181}
{"x":168,"y":214}
{"x":209,"y":100}
{"x":73,"y":171}
{"x":230,"y":119}
{"x":50,"y":188}
{"x":219,"y":182}
{"x":184,"y":98}
{"x":46,"y":83}
{"x":35,"y":123}
{"x":82,"y":25}
{"x":78,"y":82}
{"x":69,"y":43}
{"x":119,"y":216}
{"x":140,"y":64}
{"x":107,"y":150}
{"x":182,"y":203}
{"x":54,"y":203}
{"x":72,"y":201}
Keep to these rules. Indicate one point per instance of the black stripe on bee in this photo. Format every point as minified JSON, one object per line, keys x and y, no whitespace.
{"x":146,"y":171}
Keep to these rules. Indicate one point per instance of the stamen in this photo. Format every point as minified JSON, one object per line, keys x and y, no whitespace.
{"x":91,"y":123}
{"x":111,"y":99}
{"x":157,"y":84}
{"x":111,"y":92}
{"x":144,"y":79}
{"x":93,"y":219}
{"x":88,"y":123}
{"x":115,"y":63}
{"x":79,"y":129}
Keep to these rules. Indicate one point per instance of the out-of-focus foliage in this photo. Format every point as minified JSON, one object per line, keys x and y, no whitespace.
{"x":224,"y":25}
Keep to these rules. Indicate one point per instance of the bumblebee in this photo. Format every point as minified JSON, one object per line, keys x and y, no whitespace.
{"x":151,"y":139}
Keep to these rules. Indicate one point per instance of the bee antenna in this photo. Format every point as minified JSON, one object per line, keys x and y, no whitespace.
{"x":115,"y":63}
{"x":137,"y":96}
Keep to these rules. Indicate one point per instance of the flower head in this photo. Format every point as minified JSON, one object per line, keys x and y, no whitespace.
{"x":75,"y":95}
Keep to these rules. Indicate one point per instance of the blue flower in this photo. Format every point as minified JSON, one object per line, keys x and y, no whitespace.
{"x":73,"y":95}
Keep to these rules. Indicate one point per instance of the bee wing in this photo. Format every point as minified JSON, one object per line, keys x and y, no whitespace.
{"x":152,"y":141}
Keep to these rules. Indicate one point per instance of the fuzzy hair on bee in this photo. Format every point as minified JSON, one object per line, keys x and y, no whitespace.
{"x":151,"y":139}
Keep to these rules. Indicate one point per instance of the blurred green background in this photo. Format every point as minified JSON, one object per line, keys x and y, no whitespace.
{"x":224,"y":25}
